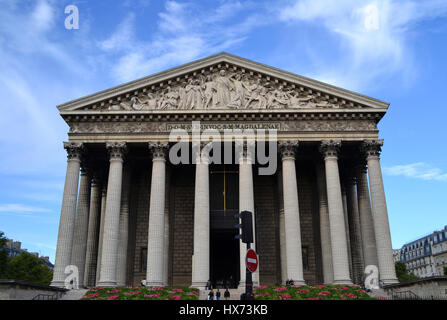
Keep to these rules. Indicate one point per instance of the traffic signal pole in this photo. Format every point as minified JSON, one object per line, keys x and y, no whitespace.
{"x":246,"y":237}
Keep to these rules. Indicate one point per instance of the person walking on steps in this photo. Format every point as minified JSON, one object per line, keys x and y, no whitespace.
{"x":211,"y":295}
{"x":227,"y":294}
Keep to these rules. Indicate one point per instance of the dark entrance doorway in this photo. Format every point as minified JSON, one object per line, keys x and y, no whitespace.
{"x":224,"y":204}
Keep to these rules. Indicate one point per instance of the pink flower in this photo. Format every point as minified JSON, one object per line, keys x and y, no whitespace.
{"x":99,"y":288}
{"x":342,"y":288}
{"x":285,"y":297}
{"x":155,"y":295}
{"x":134,"y":292}
{"x":313,"y":299}
{"x":175,"y":297}
{"x":324,"y":293}
{"x":303,"y":291}
{"x":93,"y":295}
{"x":113,"y":297}
{"x":280,"y":289}
{"x":261,"y":287}
{"x":383,"y":298}
{"x":349,"y":295}
{"x":177,"y":290}
{"x":321,"y":286}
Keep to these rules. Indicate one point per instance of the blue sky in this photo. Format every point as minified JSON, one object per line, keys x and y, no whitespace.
{"x":393,"y":50}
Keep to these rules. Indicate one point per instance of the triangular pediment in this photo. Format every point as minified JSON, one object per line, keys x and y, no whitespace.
{"x":221,"y":82}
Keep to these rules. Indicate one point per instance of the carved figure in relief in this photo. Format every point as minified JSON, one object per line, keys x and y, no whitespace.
{"x":256,"y":93}
{"x":168,"y":100}
{"x":278,"y":98}
{"x":193,"y":95}
{"x":223,"y":86}
{"x":208,"y":90}
{"x":238,"y":97}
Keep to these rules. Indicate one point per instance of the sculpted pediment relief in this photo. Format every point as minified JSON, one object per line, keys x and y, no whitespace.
{"x":220,"y":90}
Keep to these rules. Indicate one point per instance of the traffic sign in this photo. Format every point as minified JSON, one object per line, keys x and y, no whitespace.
{"x":251,"y":260}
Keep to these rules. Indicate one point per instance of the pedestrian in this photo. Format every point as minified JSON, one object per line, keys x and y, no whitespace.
{"x":287,"y":282}
{"x":211,"y":295}
{"x":218,"y":294}
{"x":208,"y":285}
{"x":227,"y":294}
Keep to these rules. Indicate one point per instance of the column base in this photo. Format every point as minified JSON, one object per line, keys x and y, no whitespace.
{"x":106,"y":284}
{"x":389,"y":281}
{"x":58,"y":284}
{"x":198,"y":284}
{"x":342,"y":282}
{"x":154,"y":283}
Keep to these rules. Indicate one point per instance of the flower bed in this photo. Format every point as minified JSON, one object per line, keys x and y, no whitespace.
{"x":142,"y":293}
{"x":320,"y":292}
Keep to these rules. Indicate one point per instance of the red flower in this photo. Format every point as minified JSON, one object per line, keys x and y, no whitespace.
{"x":285,"y":297}
{"x":175,"y":297}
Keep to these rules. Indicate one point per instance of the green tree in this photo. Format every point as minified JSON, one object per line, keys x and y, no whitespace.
{"x":402,"y":273}
{"x":3,"y":255}
{"x":26,"y":267}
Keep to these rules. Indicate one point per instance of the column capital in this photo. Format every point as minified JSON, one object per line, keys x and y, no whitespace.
{"x":372,"y":148}
{"x":288,"y":149}
{"x":75,"y":150}
{"x":117,"y":150}
{"x":158,"y":149}
{"x":330,"y":148}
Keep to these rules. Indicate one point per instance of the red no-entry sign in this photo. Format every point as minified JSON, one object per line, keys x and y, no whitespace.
{"x":251,"y":260}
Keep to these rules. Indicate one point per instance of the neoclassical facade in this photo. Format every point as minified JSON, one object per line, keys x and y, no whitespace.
{"x":129,"y":213}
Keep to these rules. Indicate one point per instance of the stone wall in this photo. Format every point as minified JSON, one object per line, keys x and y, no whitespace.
{"x":182,"y":226}
{"x":309,"y":220}
{"x":266,"y":206}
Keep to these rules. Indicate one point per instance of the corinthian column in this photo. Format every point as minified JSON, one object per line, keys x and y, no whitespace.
{"x":246,"y":203}
{"x":387,"y":271}
{"x":93,"y":234}
{"x":155,"y":245}
{"x":325,"y":230}
{"x":107,"y":276}
{"x":201,"y":253}
{"x":291,"y":213}
{"x":123,"y":230}
{"x":68,"y":212}
{"x":366,"y":219}
{"x":354,"y":232}
{"x":81,"y":226}
{"x":339,"y":243}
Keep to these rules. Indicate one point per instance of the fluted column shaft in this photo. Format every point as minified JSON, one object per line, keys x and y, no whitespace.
{"x":387,"y":271}
{"x":291,"y":214}
{"x":123,"y":230}
{"x":101,"y":231}
{"x":325,"y":231}
{"x":340,"y":261}
{"x":201,"y":254}
{"x":366,"y":220}
{"x":282,"y":233}
{"x":93,"y":234}
{"x":107,"y":277}
{"x":81,"y":226}
{"x":166,"y":241}
{"x":68,"y":212}
{"x":355,"y":232}
{"x":246,"y":203}
{"x":155,"y":246}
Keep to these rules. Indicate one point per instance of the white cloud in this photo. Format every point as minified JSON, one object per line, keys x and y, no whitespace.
{"x":372,"y":35}
{"x":185,"y":32}
{"x":10,"y":208}
{"x":419,"y":170}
